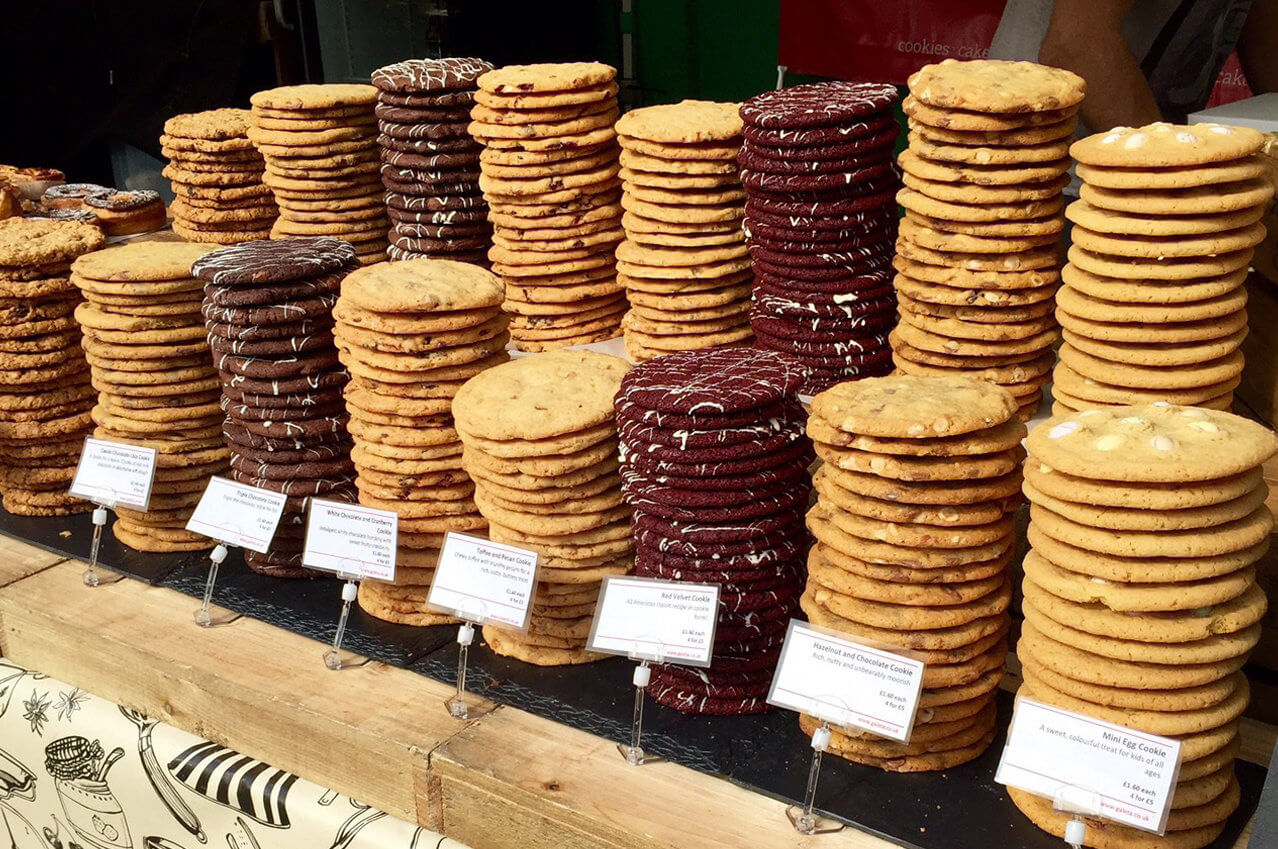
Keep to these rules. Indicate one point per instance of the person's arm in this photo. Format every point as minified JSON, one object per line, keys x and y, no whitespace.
{"x":1258,"y":47}
{"x":1086,"y":37}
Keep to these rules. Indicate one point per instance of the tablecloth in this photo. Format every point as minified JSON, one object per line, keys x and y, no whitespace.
{"x":79,"y":772}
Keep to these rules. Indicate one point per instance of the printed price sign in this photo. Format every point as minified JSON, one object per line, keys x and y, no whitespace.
{"x":650,"y":619}
{"x":482,"y":581}
{"x":112,"y":473}
{"x":238,"y":514}
{"x":1127,"y":776}
{"x":845,"y":683}
{"x":350,"y":539}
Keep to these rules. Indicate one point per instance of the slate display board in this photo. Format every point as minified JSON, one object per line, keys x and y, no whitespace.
{"x":962,"y":808}
{"x":72,"y":536}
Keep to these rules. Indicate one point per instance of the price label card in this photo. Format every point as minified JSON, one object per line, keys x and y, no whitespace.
{"x":112,"y":473}
{"x":350,"y":539}
{"x":846,"y":683}
{"x":238,"y":514}
{"x":1127,"y":775}
{"x":650,"y":619}
{"x":483,"y":581}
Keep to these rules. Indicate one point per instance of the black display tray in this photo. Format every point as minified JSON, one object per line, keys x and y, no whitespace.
{"x":961,"y":808}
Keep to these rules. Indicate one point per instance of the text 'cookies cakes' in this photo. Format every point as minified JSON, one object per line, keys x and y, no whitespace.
{"x":978,"y":257}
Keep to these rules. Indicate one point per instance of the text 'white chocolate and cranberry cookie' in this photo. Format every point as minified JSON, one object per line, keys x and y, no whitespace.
{"x":430,"y":164}
{"x":157,"y":386}
{"x":45,"y":393}
{"x":684,"y":261}
{"x":978,"y":257}
{"x":1153,"y":306}
{"x":715,"y":464}
{"x":411,"y":333}
{"x":216,"y":174}
{"x":1140,"y":595}
{"x":540,"y":444}
{"x":550,"y":177}
{"x":268,"y":314}
{"x":323,"y":163}
{"x":914,"y":528}
{"x":820,"y":219}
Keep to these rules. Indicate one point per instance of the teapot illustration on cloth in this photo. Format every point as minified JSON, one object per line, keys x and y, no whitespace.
{"x":79,"y":771}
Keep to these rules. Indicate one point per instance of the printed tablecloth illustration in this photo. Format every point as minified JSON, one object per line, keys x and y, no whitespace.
{"x":79,"y":772}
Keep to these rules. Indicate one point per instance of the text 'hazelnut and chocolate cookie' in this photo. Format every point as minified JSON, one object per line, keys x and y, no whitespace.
{"x":550,"y":177}
{"x":1140,"y":595}
{"x":323,"y":163}
{"x":430,"y":164}
{"x":978,"y":256}
{"x":45,"y":393}
{"x":540,"y":444}
{"x":268,"y":314}
{"x":216,"y":175}
{"x":820,"y":217}
{"x":715,"y":464}
{"x":157,"y":386}
{"x":411,"y":332}
{"x":914,"y":528}
{"x":684,"y":261}
{"x":1153,"y":306}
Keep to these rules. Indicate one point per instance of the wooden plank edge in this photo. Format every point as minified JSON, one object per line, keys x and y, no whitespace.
{"x":447,"y":793}
{"x":19,"y":559}
{"x":518,"y":780}
{"x":259,"y":689}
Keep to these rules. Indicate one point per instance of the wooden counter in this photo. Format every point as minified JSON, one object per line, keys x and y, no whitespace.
{"x":506,"y":779}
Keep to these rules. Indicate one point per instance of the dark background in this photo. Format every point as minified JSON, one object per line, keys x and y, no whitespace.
{"x":83,"y":78}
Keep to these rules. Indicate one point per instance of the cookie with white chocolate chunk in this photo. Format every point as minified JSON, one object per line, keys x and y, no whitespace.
{"x":1140,"y":594}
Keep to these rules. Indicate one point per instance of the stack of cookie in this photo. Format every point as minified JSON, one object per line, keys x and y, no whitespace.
{"x":1153,"y":307}
{"x":1141,"y":603}
{"x":914,"y":529}
{"x":322,"y":163}
{"x":540,"y":444}
{"x":715,"y":464}
{"x":820,"y":219}
{"x":430,"y":164}
{"x":979,"y":255}
{"x":684,"y":261}
{"x":144,"y":339}
{"x":549,"y":174}
{"x":216,"y":175}
{"x":267,"y":310}
{"x":45,"y":394}
{"x":410,"y":332}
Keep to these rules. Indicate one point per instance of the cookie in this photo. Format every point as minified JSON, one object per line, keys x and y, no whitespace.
{"x":1147,"y":438}
{"x":995,"y":86}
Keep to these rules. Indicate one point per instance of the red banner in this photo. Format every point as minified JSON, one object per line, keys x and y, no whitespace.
{"x":1231,"y":85}
{"x":866,"y":40}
